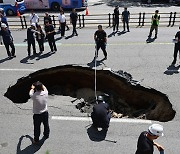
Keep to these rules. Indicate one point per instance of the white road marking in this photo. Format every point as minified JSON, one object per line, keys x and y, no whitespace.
{"x":112,"y":119}
{"x":9,"y":69}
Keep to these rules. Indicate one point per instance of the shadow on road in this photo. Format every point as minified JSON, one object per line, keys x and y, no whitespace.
{"x":46,"y":55}
{"x":25,"y":60}
{"x":95,"y":135}
{"x":31,"y":149}
{"x":4,"y":60}
{"x":98,"y":63}
{"x":172,"y":70}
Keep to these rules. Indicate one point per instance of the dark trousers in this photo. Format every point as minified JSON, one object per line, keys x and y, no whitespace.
{"x":37,"y":120}
{"x":63,"y":28}
{"x":101,"y":45}
{"x":7,"y":45}
{"x":74,"y":28}
{"x":125,"y":23}
{"x":176,"y":49}
{"x":52,"y":44}
{"x":101,"y":122}
{"x":152,"y":29}
{"x":116,"y":24}
{"x":31,"y":42}
{"x":41,"y":44}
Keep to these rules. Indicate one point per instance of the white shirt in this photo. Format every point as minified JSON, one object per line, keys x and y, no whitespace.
{"x":33,"y":18}
{"x":62,"y":18}
{"x":39,"y":101}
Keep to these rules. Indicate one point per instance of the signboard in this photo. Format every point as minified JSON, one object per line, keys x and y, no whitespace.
{"x":36,"y":4}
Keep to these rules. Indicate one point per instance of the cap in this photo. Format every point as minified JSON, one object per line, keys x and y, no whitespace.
{"x":156,"y":130}
{"x":3,"y":25}
{"x":100,"y":98}
{"x":33,"y":24}
{"x":1,"y":9}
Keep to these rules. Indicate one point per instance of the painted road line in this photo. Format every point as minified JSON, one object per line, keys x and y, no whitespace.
{"x":64,"y":118}
{"x":8,"y":69}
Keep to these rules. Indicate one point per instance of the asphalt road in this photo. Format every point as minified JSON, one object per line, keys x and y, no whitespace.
{"x":128,"y":52}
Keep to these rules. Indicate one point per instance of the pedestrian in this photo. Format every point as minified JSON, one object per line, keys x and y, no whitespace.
{"x":39,"y":95}
{"x":31,"y":39}
{"x":101,"y":114}
{"x":40,"y":38}
{"x":176,"y":47}
{"x":73,"y":21}
{"x":2,"y":12}
{"x":146,"y":139}
{"x":62,"y":22}
{"x":7,"y":40}
{"x":61,"y":9}
{"x":116,"y":19}
{"x":3,"y":19}
{"x":33,"y":17}
{"x":47,"y":17}
{"x":125,"y":18}
{"x":154,"y":24}
{"x":100,"y":38}
{"x":50,"y":32}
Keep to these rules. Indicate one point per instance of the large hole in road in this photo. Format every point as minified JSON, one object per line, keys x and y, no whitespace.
{"x":125,"y":95}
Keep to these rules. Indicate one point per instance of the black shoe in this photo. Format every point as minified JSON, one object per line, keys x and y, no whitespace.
{"x":105,"y":57}
{"x":155,"y":37}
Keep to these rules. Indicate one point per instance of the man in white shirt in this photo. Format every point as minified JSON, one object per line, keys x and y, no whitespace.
{"x":33,"y":18}
{"x":62,"y":22}
{"x":39,"y":95}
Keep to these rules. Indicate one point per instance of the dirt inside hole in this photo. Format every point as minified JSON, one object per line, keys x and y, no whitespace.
{"x":125,"y":95}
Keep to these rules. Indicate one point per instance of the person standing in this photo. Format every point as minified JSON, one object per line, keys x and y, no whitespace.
{"x":47,"y":17}
{"x":33,"y":17}
{"x":116,"y":19}
{"x":154,"y":24}
{"x":50,"y":32}
{"x":101,"y":115}
{"x":7,"y":40}
{"x":146,"y":139}
{"x":31,"y":39}
{"x":62,"y":22}
{"x":39,"y":95}
{"x":40,"y":38}
{"x":100,"y":38}
{"x":176,"y":47}
{"x":125,"y":18}
{"x":73,"y":20}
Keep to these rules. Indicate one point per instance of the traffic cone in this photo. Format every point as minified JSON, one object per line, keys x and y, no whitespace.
{"x":18,"y":14}
{"x":87,"y":13}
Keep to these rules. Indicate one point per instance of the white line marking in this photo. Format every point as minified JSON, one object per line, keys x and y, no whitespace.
{"x":112,"y":119}
{"x":9,"y":69}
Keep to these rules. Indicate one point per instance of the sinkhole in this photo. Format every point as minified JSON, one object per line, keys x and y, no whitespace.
{"x":124,"y":95}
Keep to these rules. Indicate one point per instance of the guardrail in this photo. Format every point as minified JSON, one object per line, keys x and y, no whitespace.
{"x":136,"y":19}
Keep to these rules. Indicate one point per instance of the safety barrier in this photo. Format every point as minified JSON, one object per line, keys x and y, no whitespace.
{"x":136,"y":19}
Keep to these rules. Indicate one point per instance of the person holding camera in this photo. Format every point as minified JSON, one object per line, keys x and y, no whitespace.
{"x":39,"y":95}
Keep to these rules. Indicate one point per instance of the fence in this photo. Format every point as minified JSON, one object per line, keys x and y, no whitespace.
{"x":136,"y":19}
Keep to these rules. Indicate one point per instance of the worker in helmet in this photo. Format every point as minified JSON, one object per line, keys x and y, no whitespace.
{"x":146,"y":139}
{"x":101,"y":114}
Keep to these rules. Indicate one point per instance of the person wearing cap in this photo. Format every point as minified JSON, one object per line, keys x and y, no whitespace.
{"x":47,"y":17}
{"x":39,"y":95}
{"x":101,"y":114}
{"x":146,"y":139}
{"x":31,"y":39}
{"x":100,"y":38}
{"x":177,"y":46}
{"x":116,"y":19}
{"x":154,"y":24}
{"x":125,"y":18}
{"x":7,"y":40}
{"x":73,"y":21}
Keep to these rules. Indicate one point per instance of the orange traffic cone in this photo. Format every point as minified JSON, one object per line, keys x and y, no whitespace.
{"x":18,"y":14}
{"x":87,"y":13}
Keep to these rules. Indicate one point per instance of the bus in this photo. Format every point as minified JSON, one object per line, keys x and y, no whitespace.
{"x":10,"y":7}
{"x":54,"y":4}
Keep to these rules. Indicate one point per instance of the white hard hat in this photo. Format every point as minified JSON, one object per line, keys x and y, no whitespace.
{"x":3,"y":25}
{"x":100,"y":98}
{"x":156,"y":130}
{"x":33,"y":24}
{"x":1,"y":9}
